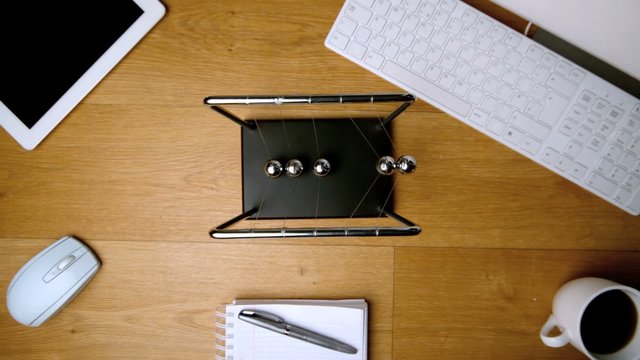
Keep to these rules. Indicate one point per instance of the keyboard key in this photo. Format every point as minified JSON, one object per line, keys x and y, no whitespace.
{"x":491,"y":85}
{"x":378,"y":23}
{"x":596,"y":142}
{"x":526,"y":66}
{"x":412,"y":5}
{"x":549,"y":60}
{"x":550,"y":155}
{"x":497,"y":127}
{"x":347,"y":26}
{"x":531,"y":146}
{"x":410,"y":22}
{"x":377,"y":42}
{"x":525,"y":84}
{"x":615,"y":113}
{"x":506,"y":93}
{"x":463,"y":69}
{"x":513,"y":136}
{"x":541,"y":74}
{"x":454,"y":26}
{"x":496,"y":68}
{"x":632,"y":182}
{"x":622,"y":138}
{"x":636,"y":168}
{"x":440,"y":18}
{"x":562,"y":85}
{"x":426,"y":11}
{"x":635,"y":202}
{"x":469,"y":34}
{"x":618,"y":174}
{"x":339,"y":40}
{"x":467,"y":53}
{"x":539,"y":92}
{"x":533,"y":109}
{"x":606,"y":128}
{"x":476,"y":77}
{"x":470,"y":16}
{"x":510,"y":76}
{"x":479,"y":117}
{"x":513,"y":58}
{"x":374,"y":59}
{"x":359,"y":13}
{"x":484,"y":42}
{"x":489,"y":103}
{"x":434,"y":54}
{"x":425,"y":29}
{"x":604,"y":166}
{"x":382,"y":6}
{"x":366,"y":3}
{"x":577,"y":76}
{"x":577,"y":170}
{"x":582,"y":135}
{"x":504,"y":111}
{"x":475,"y":96}
{"x":405,"y":57}
{"x":534,"y":52}
{"x":519,"y":100}
{"x":396,"y":14}
{"x":636,"y":110}
{"x":601,"y":106}
{"x":569,"y":127}
{"x":481,"y":61}
{"x":554,"y":107}
{"x":613,"y":152}
{"x":419,"y":65}
{"x":627,"y":160}
{"x":587,"y":98}
{"x":392,"y":31}
{"x":447,"y":80}
{"x":461,"y":88}
{"x":512,"y":39}
{"x":448,"y":5}
{"x":406,"y":39}
{"x":391,"y":50}
{"x":440,"y":96}
{"x":591,"y":121}
{"x":454,"y":45}
{"x":483,"y":24}
{"x":622,"y":196}
{"x":433,"y":73}
{"x":634,"y":146}
{"x":572,"y":149}
{"x":601,"y":184}
{"x":497,"y":32}
{"x":563,"y":163}
{"x":564,"y":67}
{"x":529,"y":125}
{"x":439,"y":37}
{"x":420,"y":46}
{"x":577,"y":113}
{"x":356,"y":50}
{"x":363,"y":34}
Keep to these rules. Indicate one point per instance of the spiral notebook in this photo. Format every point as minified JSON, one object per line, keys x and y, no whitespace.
{"x":343,"y":320}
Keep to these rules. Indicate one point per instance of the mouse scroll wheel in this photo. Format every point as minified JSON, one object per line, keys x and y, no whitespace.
{"x":66,"y":262}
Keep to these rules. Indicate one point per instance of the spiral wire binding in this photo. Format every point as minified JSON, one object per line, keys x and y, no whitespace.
{"x":222,"y":342}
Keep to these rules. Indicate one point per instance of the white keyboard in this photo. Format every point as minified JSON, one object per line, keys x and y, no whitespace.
{"x":503,"y":84}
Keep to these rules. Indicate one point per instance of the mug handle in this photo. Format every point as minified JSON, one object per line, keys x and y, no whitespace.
{"x":553,"y":341}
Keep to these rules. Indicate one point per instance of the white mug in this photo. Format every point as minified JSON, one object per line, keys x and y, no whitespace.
{"x":574,"y":318}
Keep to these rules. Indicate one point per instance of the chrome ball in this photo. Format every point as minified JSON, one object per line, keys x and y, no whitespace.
{"x":273,"y":168}
{"x":406,"y":164}
{"x":294,"y":168}
{"x":386,"y":165}
{"x":321,"y":167}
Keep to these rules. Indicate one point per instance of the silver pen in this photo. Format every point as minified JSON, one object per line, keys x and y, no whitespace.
{"x":274,"y":323}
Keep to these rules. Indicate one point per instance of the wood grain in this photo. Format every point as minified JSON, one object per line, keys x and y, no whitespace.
{"x":143,"y":171}
{"x":489,"y":303}
{"x":157,"y":299}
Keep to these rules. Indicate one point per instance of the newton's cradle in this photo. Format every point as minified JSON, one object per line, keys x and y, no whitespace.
{"x":317,"y":167}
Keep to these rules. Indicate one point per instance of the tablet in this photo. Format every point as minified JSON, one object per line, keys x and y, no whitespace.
{"x":55,"y":52}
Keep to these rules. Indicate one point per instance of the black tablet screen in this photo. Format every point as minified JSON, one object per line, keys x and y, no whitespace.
{"x":48,"y":45}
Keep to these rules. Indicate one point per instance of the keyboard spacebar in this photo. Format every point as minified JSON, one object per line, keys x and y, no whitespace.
{"x":426,"y":88}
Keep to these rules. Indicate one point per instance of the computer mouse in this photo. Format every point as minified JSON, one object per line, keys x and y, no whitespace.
{"x":50,"y":280}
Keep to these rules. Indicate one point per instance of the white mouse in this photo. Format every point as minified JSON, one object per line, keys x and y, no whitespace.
{"x":50,"y":280}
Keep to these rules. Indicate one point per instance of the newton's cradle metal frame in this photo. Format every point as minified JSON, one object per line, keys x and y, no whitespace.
{"x":344,"y":170}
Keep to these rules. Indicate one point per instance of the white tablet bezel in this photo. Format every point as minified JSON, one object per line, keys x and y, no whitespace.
{"x":152,"y":12}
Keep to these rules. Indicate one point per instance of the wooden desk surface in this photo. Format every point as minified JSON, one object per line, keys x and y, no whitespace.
{"x":142,"y":171}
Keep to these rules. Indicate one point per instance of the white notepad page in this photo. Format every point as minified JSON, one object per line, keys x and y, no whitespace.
{"x":344,"y":320}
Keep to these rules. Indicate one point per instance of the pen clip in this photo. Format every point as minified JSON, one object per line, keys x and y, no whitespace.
{"x":261,"y":315}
